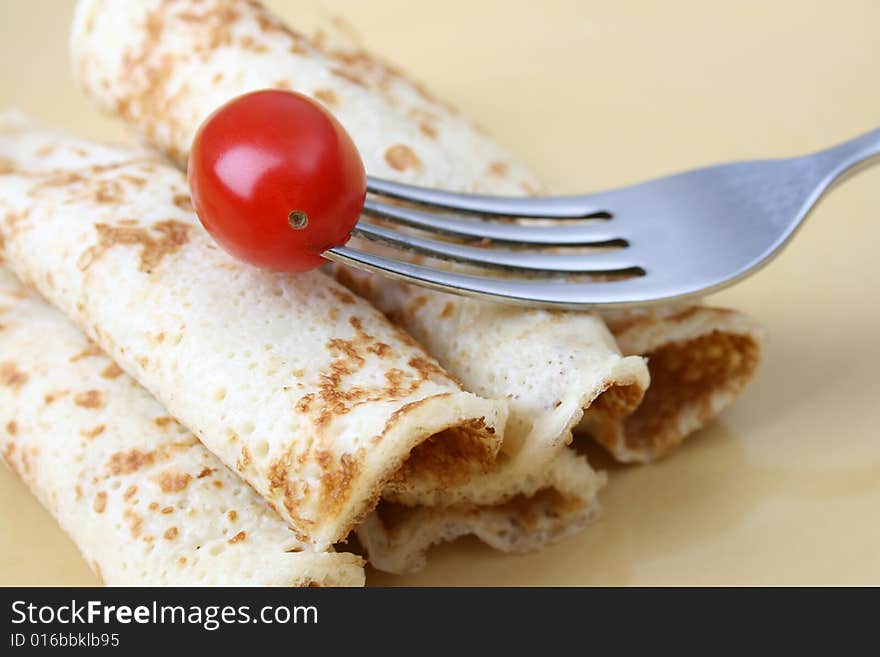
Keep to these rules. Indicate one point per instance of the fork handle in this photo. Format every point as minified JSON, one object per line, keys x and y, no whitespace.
{"x":840,"y":162}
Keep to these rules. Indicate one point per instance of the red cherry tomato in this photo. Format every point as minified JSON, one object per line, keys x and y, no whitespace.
{"x":276,"y":180}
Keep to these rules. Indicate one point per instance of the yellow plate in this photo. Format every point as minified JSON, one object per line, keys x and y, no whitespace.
{"x":785,"y":488}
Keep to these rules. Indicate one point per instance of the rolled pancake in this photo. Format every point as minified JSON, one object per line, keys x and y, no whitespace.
{"x":397,"y":536}
{"x":700,"y":359}
{"x":306,"y":391}
{"x":143,"y":500}
{"x":164,"y":67}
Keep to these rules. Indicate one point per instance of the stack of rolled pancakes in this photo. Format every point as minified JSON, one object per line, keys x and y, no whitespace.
{"x":190,"y":419}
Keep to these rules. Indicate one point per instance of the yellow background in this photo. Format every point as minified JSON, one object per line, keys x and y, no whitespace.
{"x":785,"y":488}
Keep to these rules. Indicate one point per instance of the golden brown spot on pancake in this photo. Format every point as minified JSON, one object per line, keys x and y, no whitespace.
{"x":163,"y":421}
{"x":112,"y":371}
{"x":7,"y":166}
{"x":154,"y":25}
{"x":153,"y":506}
{"x":94,"y":432}
{"x":11,"y":376}
{"x":130,"y":492}
{"x":100,"y":502}
{"x":350,"y":349}
{"x":91,"y":350}
{"x":282,"y":84}
{"x":171,"y":533}
{"x":426,"y":367}
{"x":290,"y":491}
{"x":217,"y":78}
{"x":59,"y":179}
{"x":498,"y":168}
{"x":172,"y":235}
{"x":135,"y":522}
{"x":265,"y":22}
{"x":12,"y":428}
{"x":428,"y":130}
{"x":26,"y":455}
{"x":238,"y":538}
{"x":336,"y":482}
{"x":304,"y":403}
{"x":232,"y":515}
{"x":89,"y":399}
{"x":380,"y":349}
{"x":183,"y":202}
{"x":122,"y":463}
{"x":395,"y":378}
{"x":166,"y":510}
{"x":358,"y":326}
{"x":51,"y":397}
{"x":134,"y":181}
{"x":415,"y":305}
{"x":245,"y":460}
{"x":401,"y":157}
{"x":341,"y":295}
{"x":218,"y":483}
{"x":206,"y":472}
{"x":78,"y":492}
{"x":447,"y":309}
{"x":45,"y":150}
{"x":12,"y":219}
{"x":173,"y":482}
{"x":327,"y":96}
{"x":350,"y":77}
{"x":107,"y":191}
{"x":249,"y":43}
{"x":181,"y":561}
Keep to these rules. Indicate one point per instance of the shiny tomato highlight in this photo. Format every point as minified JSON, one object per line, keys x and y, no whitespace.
{"x":276,"y":180}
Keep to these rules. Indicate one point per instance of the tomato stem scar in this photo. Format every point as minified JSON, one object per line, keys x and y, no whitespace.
{"x":298,"y":219}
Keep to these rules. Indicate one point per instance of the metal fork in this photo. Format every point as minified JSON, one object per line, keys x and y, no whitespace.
{"x":680,"y":236}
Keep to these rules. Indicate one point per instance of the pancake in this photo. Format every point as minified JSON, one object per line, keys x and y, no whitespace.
{"x":143,"y":500}
{"x":306,"y":391}
{"x":700,"y":359}
{"x":397,"y":536}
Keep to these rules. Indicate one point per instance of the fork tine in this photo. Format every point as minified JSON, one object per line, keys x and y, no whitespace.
{"x":551,"y":293}
{"x":548,"y":263}
{"x":560,"y":207}
{"x":589,"y":234}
